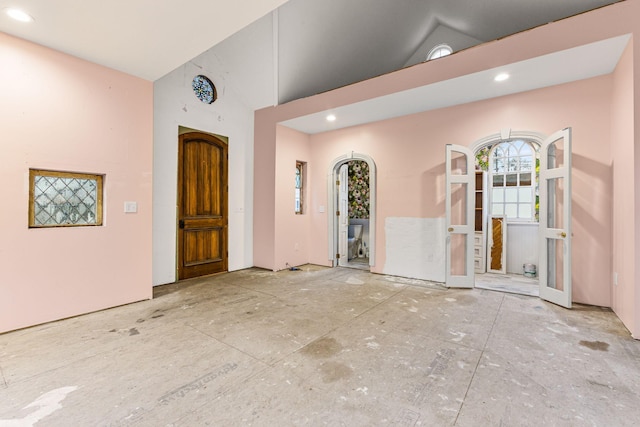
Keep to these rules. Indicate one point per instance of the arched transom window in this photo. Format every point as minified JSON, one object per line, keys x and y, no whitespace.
{"x":512,"y":174}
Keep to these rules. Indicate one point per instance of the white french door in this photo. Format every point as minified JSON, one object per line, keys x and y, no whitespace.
{"x":459,"y":206}
{"x":555,"y":219}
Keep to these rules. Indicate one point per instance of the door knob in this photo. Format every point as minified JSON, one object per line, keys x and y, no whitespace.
{"x":450,"y":229}
{"x":181,"y":223}
{"x":563,"y":234}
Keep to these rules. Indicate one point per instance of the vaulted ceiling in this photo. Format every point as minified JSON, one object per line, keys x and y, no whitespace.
{"x":299,"y":47}
{"x":331,"y":43}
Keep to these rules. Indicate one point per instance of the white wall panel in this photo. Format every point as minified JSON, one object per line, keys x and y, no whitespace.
{"x":415,"y":248}
{"x":522,"y":246}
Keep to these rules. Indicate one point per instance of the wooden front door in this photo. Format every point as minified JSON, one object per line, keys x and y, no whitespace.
{"x":202,"y":205}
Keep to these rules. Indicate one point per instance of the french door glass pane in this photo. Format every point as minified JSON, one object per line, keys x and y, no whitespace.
{"x":555,"y":193}
{"x":458,"y":265}
{"x":459,"y":204}
{"x":555,"y":265}
{"x":555,"y":155}
{"x":458,"y":163}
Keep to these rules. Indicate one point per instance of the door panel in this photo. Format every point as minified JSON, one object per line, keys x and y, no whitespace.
{"x":202,"y":205}
{"x":555,"y":219}
{"x":202,"y":246}
{"x":460,"y":218}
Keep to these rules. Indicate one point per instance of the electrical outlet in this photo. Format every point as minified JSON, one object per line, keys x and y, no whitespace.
{"x":615,"y":278}
{"x":296,"y":247}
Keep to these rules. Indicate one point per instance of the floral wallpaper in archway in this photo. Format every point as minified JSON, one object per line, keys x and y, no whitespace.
{"x":482,"y":158}
{"x":358,"y":189}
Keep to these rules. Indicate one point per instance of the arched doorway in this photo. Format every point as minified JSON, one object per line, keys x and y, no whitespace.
{"x":338,"y":219}
{"x":554,"y":231}
{"x":507,"y":201}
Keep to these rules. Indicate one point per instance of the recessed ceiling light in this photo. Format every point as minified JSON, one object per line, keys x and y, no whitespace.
{"x":19,"y":15}
{"x":331,"y":118}
{"x":501,"y":77}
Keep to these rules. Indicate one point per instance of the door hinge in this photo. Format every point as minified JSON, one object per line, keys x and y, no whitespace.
{"x":337,"y":256}
{"x":338,"y":182}
{"x":337,"y":213}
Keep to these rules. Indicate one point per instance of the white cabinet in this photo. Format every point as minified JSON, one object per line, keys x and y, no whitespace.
{"x":479,"y":239}
{"x":479,"y":252}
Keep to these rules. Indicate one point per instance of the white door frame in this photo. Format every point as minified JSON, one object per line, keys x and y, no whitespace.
{"x":467,"y":279}
{"x":332,"y":204}
{"x":547,"y":293}
{"x":504,"y":135}
{"x":343,"y":219}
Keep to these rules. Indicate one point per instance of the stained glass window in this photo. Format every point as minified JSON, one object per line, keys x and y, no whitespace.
{"x":204,"y":89}
{"x":64,"y":199}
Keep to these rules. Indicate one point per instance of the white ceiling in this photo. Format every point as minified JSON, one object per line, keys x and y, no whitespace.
{"x":582,"y":62}
{"x":145,"y":38}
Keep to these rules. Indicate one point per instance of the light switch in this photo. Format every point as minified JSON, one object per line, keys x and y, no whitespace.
{"x":130,"y":207}
{"x":321,"y":209}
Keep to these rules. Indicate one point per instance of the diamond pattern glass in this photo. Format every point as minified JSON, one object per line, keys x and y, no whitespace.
{"x":65,"y":200}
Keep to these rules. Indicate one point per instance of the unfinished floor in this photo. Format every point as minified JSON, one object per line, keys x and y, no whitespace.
{"x":320,"y":346}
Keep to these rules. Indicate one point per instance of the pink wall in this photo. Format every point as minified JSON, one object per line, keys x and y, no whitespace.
{"x":622,"y":144}
{"x":409,"y":153}
{"x":292,"y":230}
{"x":264,"y":191}
{"x":586,"y":106}
{"x":58,"y":112}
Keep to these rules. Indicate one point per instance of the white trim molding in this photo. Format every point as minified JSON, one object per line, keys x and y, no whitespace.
{"x":510,"y":134}
{"x":332,"y":196}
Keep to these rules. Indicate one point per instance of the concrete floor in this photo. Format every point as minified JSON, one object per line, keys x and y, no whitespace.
{"x":512,"y":283}
{"x":316,"y":347}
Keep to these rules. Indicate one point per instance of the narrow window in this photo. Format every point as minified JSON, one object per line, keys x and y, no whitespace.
{"x":64,"y":199}
{"x":299,"y":194}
